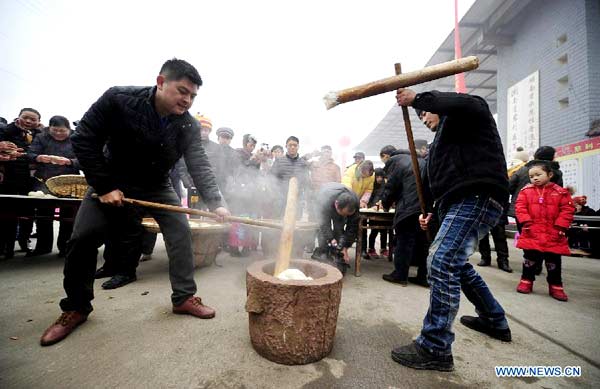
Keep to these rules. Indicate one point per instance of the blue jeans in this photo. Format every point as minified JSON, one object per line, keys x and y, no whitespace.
{"x":463,"y":224}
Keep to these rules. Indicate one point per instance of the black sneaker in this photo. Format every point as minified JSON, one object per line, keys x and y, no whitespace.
{"x":418,"y":281}
{"x":118,"y":280}
{"x":484,"y":262}
{"x":394,"y":279}
{"x":480,"y":325}
{"x":103,"y":273}
{"x":413,"y":355}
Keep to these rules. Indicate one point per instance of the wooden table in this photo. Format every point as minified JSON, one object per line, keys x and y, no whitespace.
{"x":13,"y":206}
{"x":373,"y":220}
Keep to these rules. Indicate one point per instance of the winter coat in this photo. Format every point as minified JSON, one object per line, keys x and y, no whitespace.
{"x":17,"y":177}
{"x":363,"y":187}
{"x":546,"y":215}
{"x":287,"y":167}
{"x":401,"y":187}
{"x":326,"y":212}
{"x":322,"y":172}
{"x":466,"y":156}
{"x":45,"y":144}
{"x":521,"y":178}
{"x":377,"y":194}
{"x":141,"y":147}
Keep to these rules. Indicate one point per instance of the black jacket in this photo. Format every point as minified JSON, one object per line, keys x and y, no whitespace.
{"x":466,"y":156}
{"x":287,"y":167}
{"x":141,"y":148}
{"x":45,"y":144}
{"x":401,"y":187}
{"x":520,"y":179}
{"x":17,"y":178}
{"x":326,"y":212}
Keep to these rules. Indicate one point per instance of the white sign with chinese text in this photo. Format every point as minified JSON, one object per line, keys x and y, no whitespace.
{"x":523,"y":115}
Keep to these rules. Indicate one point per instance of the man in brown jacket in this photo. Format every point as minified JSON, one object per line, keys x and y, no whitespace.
{"x":322,"y":171}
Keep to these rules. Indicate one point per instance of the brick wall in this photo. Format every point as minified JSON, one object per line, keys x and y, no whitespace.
{"x":538,"y":46}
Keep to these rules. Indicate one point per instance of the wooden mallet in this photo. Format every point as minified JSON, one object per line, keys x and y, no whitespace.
{"x":389,"y":84}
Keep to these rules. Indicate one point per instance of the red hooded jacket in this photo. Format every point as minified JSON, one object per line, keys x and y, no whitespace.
{"x":545,"y":214}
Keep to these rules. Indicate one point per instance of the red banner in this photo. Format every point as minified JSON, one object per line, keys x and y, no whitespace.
{"x":459,"y":79}
{"x":579,"y":147}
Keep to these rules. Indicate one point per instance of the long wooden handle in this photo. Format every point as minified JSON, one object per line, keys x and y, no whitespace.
{"x":389,"y":84}
{"x":289,"y":224}
{"x":190,"y":211}
{"x":413,"y":155}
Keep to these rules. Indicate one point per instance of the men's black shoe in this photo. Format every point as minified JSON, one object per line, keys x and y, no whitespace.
{"x":504,"y":266}
{"x":118,"y":280}
{"x":480,"y":325}
{"x":103,"y":273}
{"x":419,"y":281}
{"x":414,"y":356}
{"x":36,"y":253}
{"x":342,"y":266}
{"x":484,"y":262}
{"x":394,"y":279}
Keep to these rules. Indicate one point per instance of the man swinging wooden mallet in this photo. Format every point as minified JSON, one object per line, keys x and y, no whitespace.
{"x":467,"y":179}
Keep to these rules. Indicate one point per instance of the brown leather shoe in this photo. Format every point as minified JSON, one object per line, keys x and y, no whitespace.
{"x":64,"y":325}
{"x":193,"y":306}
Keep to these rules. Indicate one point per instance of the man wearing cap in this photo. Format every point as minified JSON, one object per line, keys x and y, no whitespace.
{"x":230,"y":159}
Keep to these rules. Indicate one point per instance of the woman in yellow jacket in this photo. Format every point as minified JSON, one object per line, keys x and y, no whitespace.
{"x":360,"y":178}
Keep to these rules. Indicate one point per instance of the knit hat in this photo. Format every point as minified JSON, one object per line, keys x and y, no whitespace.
{"x":522,"y":155}
{"x":204,"y":121}
{"x":580,"y":200}
{"x":225,"y":131}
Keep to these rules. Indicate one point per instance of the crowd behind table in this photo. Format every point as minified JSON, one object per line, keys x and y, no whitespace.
{"x":253,"y":180}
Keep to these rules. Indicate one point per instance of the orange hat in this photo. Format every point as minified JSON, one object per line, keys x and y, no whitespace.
{"x":580,"y":200}
{"x":204,"y":121}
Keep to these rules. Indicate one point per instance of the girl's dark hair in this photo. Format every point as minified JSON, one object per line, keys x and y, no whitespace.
{"x":379,"y":172}
{"x":59,"y":121}
{"x":544,"y":165}
{"x":545,"y":153}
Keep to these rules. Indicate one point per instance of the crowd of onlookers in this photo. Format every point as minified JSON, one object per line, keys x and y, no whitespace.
{"x":253,"y":180}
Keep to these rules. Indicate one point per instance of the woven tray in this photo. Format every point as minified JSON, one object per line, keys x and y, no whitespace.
{"x":68,"y":185}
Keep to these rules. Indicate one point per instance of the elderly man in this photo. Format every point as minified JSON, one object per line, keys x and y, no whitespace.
{"x":126,"y":144}
{"x":468,"y":181}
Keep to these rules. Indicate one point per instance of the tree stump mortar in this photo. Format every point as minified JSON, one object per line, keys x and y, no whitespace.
{"x":293,"y":322}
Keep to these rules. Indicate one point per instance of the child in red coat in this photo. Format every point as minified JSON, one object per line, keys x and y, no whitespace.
{"x":546,"y":211}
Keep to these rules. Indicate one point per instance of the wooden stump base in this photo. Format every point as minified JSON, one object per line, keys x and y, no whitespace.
{"x":293,"y":322}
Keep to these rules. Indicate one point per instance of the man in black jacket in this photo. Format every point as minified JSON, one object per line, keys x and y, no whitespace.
{"x":467,"y":177}
{"x":286,"y":167}
{"x":126,"y":144}
{"x":336,"y":205}
{"x":411,"y":242}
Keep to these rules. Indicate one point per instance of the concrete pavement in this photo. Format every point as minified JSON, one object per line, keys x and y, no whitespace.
{"x":132,"y":339}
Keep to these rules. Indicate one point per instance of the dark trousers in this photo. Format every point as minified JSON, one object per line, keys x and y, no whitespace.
{"x":113,"y":263}
{"x":411,"y":247}
{"x":383,"y":239}
{"x":45,"y":229}
{"x":93,"y":223}
{"x":338,"y":224}
{"x":13,"y":228}
{"x":499,"y":236}
{"x":534,"y":258}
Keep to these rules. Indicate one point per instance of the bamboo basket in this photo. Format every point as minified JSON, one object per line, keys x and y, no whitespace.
{"x":68,"y":185}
